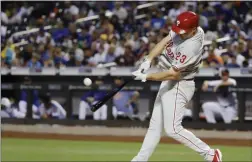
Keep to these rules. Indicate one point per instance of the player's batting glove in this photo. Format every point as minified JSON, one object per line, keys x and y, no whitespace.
{"x":139,"y":76}
{"x":145,"y":65}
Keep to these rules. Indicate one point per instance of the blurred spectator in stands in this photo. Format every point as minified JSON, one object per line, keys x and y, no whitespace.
{"x":250,"y":29}
{"x":50,"y":42}
{"x":248,"y":17}
{"x":102,"y":45}
{"x":125,"y":103}
{"x":120,"y":11}
{"x":214,"y":63}
{"x":85,"y":38}
{"x":87,"y":55}
{"x":119,"y":50}
{"x":110,"y":57}
{"x":248,"y":54}
{"x":115,"y":22}
{"x":18,"y":13}
{"x":71,"y":12}
{"x":144,"y":48}
{"x":226,"y":104}
{"x":136,"y":39}
{"x":42,"y":36}
{"x":58,"y":60}
{"x":176,"y":10}
{"x":50,"y":108}
{"x":67,"y":42}
{"x":167,"y":26}
{"x":225,"y":57}
{"x":59,"y":32}
{"x":211,"y":35}
{"x":228,"y":22}
{"x":146,"y":24}
{"x":204,"y":64}
{"x":34,"y":62}
{"x":8,"y":53}
{"x":190,"y":6}
{"x":127,"y":59}
{"x":27,"y":53}
{"x":129,"y":40}
{"x":73,"y":31}
{"x":45,"y":58}
{"x":78,"y":57}
{"x":3,"y":32}
{"x":209,"y":12}
{"x":4,"y":23}
{"x":235,"y":31}
{"x":107,"y":28}
{"x":102,"y":50}
{"x":152,"y":37}
{"x":157,"y":21}
{"x":214,"y":59}
{"x":4,"y":18}
{"x":238,"y":48}
{"x":210,"y":32}
{"x":18,"y":60}
{"x":88,"y":99}
{"x":233,"y":63}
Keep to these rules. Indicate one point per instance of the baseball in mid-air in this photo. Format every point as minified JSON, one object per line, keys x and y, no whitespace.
{"x":87,"y":81}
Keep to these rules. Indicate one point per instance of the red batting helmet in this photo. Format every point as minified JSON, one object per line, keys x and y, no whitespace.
{"x":185,"y":22}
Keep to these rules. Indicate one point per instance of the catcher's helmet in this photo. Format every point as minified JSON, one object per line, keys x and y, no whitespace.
{"x":185,"y":22}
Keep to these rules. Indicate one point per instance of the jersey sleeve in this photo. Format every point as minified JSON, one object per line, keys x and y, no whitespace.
{"x":233,"y":81}
{"x":186,"y":56}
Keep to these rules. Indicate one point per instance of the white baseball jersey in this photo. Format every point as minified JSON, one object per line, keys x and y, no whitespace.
{"x":184,"y":55}
{"x":173,"y":96}
{"x":231,"y":99}
{"x":56,"y":110}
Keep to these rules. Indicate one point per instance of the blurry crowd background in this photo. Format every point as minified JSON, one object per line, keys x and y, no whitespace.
{"x":123,"y":33}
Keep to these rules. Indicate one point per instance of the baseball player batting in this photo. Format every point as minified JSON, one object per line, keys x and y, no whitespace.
{"x":179,"y":56}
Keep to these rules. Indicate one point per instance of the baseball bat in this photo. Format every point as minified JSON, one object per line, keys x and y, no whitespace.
{"x":108,"y":96}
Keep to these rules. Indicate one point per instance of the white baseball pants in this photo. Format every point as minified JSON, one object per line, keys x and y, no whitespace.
{"x":100,"y":114}
{"x":23,"y":109}
{"x":168,"y":113}
{"x":213,"y":109}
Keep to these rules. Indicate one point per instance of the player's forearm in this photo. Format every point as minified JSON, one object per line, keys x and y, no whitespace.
{"x":157,"y":50}
{"x":162,"y":76}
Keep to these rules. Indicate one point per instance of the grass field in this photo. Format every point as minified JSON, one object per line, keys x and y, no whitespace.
{"x":58,"y":150}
